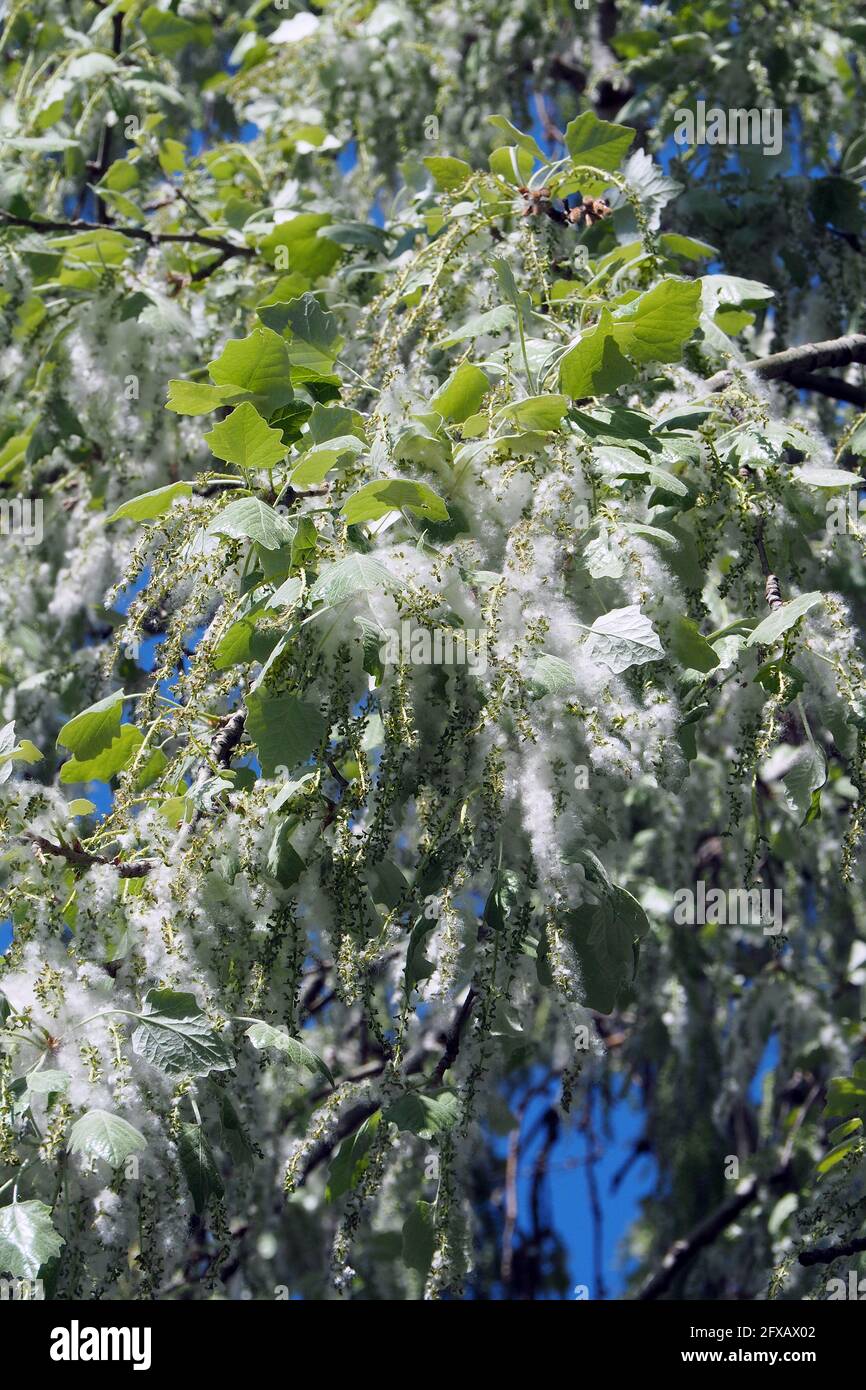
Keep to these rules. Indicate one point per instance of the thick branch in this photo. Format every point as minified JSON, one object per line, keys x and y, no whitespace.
{"x":797,"y":361}
{"x":834,"y":386}
{"x":226,"y":741}
{"x":215,"y":243}
{"x":682,"y":1252}
{"x":826,"y":1254}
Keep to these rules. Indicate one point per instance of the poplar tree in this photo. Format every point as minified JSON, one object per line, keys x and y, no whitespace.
{"x":430,"y":548}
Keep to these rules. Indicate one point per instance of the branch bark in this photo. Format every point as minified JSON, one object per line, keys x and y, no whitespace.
{"x":80,"y":858}
{"x":452,"y":1040}
{"x":834,"y":386}
{"x":826,"y":1254}
{"x":682,"y":1252}
{"x":796,"y":362}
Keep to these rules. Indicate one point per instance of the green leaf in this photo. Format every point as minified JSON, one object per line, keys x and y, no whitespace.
{"x":345,"y":579}
{"x":244,"y":439}
{"x":174,"y":1035}
{"x":257,"y":365}
{"x":462,"y":394}
{"x":284,"y":864}
{"x":838,"y":1155}
{"x":99,"y":1134}
{"x":603,"y":557}
{"x":720,"y":290}
{"x":781,"y":619}
{"x":12,"y":751}
{"x":828,"y":477}
{"x":314,"y":335}
{"x":622,"y":638}
{"x":391,"y":494}
{"x":553,"y":675}
{"x":41,"y":144}
{"x":594,"y":365}
{"x":690,"y":648}
{"x":497,"y":320}
{"x":266,"y":1035}
{"x":251,"y":519}
{"x":419,"y":1237}
{"x":625,"y":463}
{"x":166,"y":32}
{"x":424,"y":1115}
{"x":317,"y":462}
{"x":770,"y":674}
{"x":197,"y":398}
{"x":785,"y":1207}
{"x":656,"y":326}
{"x":95,"y":729}
{"x":418,"y":967}
{"x":151,"y":504}
{"x":537,"y":412}
{"x":447,"y":173}
{"x":512,"y":164}
{"x":286,"y":596}
{"x":285,"y":729}
{"x":333,"y":422}
{"x":172,"y":157}
{"x":805,"y":777}
{"x":28,"y":1239}
{"x":45,"y":1081}
{"x":524,"y":142}
{"x":501,"y":899}
{"x":603,"y":938}
{"x":351,"y":1159}
{"x":199,"y":1165}
{"x":846,"y":1095}
{"x":598,"y":143}
{"x":108,"y":763}
{"x":289,"y":420}
{"x":688,"y":247}
{"x":245,"y":641}
{"x":308,"y":251}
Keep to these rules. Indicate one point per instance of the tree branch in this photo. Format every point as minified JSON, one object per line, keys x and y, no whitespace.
{"x":682,"y":1252}
{"x":223,"y":747}
{"x":226,"y":741}
{"x":361,"y":1111}
{"x":453,"y":1036}
{"x":833,"y":386}
{"x":215,"y":243}
{"x":797,"y":361}
{"x":83,"y":860}
{"x":826,"y":1254}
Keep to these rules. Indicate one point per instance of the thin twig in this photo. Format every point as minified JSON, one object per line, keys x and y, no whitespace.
{"x":80,"y":858}
{"x":215,"y":243}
